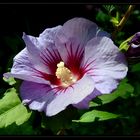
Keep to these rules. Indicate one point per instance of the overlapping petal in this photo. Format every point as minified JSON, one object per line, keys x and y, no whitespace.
{"x":24,"y":69}
{"x":72,"y":38}
{"x":36,"y":95}
{"x":52,"y":101}
{"x":42,"y":50}
{"x":33,"y":63}
{"x":72,"y":95}
{"x":84,"y":104}
{"x":105,"y":63}
{"x":32,"y":46}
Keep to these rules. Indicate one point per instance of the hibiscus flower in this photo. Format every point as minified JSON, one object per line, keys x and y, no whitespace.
{"x":67,"y":65}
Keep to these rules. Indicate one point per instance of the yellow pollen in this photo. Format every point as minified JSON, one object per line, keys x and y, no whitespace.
{"x":64,"y":74}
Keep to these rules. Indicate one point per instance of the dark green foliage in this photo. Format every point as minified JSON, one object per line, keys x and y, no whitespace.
{"x":11,"y":109}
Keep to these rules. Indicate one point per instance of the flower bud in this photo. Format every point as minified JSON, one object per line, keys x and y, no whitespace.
{"x":134,"y":46}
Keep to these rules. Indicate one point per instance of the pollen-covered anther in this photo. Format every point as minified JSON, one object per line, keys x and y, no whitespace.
{"x":64,"y":74}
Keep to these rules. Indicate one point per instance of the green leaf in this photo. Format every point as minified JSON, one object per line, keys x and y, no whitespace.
{"x":12,"y":110}
{"x":124,"y":45}
{"x":114,"y":21}
{"x":97,"y":102}
{"x":11,"y":81}
{"x":93,"y":115}
{"x":124,"y":90}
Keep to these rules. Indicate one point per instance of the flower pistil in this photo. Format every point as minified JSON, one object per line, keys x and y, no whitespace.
{"x":65,"y":75}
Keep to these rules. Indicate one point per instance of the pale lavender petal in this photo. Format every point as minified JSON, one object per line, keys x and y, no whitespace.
{"x":84,"y":104}
{"x":42,"y":51}
{"x":72,"y":95}
{"x":80,"y":29}
{"x":105,"y":63}
{"x":72,"y":38}
{"x":34,"y":52}
{"x":24,"y":69}
{"x":48,"y":35}
{"x":37,"y":96}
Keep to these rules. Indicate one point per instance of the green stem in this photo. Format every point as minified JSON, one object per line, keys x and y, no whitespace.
{"x":123,"y":21}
